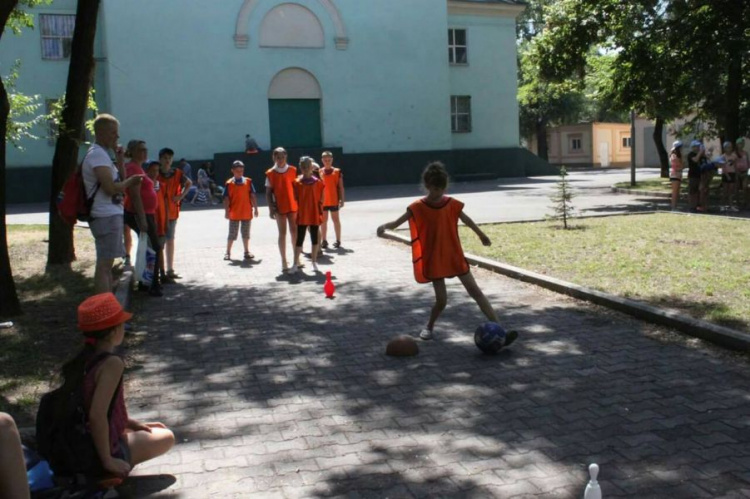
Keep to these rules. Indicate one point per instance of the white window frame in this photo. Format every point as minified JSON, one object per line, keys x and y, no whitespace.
{"x":572,"y":142}
{"x":455,"y":113}
{"x":52,"y":51}
{"x":453,"y":47}
{"x":627,"y":142}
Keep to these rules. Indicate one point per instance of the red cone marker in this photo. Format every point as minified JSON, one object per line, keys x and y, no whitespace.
{"x":329,"y":287}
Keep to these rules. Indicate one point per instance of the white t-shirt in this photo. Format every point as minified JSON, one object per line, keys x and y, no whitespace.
{"x":277,"y":170}
{"x":104,"y":205}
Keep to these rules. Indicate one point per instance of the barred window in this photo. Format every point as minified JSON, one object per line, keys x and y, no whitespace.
{"x":457,"y":49}
{"x":460,"y":113}
{"x":57,"y":35}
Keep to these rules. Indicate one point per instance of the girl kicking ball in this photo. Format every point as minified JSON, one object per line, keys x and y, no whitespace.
{"x":436,"y":247}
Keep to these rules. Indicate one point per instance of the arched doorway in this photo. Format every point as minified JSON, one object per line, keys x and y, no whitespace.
{"x":294,"y":109}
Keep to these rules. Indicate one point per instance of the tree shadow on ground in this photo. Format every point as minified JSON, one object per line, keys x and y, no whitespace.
{"x":32,"y":350}
{"x":297,"y":393}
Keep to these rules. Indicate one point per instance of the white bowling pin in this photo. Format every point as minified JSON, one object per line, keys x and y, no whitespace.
{"x":592,"y":489}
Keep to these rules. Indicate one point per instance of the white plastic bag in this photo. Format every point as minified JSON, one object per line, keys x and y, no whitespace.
{"x":145,"y":261}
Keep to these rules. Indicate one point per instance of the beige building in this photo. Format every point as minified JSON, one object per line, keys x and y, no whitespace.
{"x":588,"y":144}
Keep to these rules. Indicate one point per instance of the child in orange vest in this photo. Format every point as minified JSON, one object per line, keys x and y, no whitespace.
{"x":436,"y":248}
{"x":334,"y":198}
{"x":239,"y":205}
{"x":282,"y":206}
{"x":308,"y":192}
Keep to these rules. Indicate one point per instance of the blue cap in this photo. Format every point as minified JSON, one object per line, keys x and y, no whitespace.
{"x":676,"y":144}
{"x":696,"y":143}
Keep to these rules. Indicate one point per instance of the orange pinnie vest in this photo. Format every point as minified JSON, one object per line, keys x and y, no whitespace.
{"x":281,"y":184}
{"x":435,"y":245}
{"x":332,"y":186}
{"x":169,"y":188}
{"x":310,"y":201}
{"x":240,"y":199}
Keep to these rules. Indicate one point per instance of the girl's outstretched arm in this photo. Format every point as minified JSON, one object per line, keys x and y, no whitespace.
{"x":392,"y":225}
{"x":470,"y":224}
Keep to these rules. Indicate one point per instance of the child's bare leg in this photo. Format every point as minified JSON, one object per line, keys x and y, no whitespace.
{"x":292,"y":221}
{"x":473,"y":289}
{"x":441,"y":300}
{"x":246,"y":244}
{"x":281,"y":225}
{"x":145,"y":445}
{"x":324,"y":225}
{"x":336,"y":224}
{"x":297,"y":253}
{"x":229,"y":246}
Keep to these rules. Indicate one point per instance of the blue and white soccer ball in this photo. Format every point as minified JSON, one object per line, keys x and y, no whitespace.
{"x":490,"y":337}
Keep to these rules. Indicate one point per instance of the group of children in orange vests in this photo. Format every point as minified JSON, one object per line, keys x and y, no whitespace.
{"x":300,"y":203}
{"x":153,"y":206}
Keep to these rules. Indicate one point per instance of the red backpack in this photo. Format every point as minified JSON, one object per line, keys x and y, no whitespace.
{"x":72,"y":202}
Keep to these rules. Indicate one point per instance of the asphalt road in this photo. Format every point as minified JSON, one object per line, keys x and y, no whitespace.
{"x":367,"y":207}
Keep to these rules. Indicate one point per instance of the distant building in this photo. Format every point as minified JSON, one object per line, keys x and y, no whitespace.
{"x":592,"y":144}
{"x":388,"y":84}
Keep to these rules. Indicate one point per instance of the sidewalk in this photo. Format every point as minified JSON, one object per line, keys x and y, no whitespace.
{"x":274,"y":391}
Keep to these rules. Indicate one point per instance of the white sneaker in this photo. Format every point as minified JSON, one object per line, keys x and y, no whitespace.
{"x":315,"y":267}
{"x":294,"y":269}
{"x":426,"y":334}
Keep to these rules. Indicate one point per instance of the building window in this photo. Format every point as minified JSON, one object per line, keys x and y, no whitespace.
{"x":576,"y":143}
{"x":57,"y":35}
{"x":460,"y":113}
{"x":626,"y":142}
{"x":457,"y":53}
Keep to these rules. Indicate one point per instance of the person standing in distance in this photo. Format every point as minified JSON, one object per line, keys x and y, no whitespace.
{"x":174,"y":187}
{"x":282,"y":206}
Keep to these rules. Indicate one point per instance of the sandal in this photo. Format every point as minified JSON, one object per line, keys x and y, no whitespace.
{"x":249,"y":256}
{"x":337,"y":244}
{"x":227,"y":257}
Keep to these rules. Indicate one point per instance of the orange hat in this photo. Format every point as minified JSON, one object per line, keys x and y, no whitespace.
{"x":101,"y":312}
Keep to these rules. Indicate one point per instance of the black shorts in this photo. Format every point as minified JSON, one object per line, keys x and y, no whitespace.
{"x":729,"y":178}
{"x":330,"y":208}
{"x":675,"y":179}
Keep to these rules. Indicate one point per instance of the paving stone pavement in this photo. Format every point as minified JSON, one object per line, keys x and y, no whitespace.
{"x":274,"y":391}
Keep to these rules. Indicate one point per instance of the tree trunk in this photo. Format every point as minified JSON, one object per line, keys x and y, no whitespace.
{"x":660,"y":149}
{"x":80,"y":77}
{"x":542,"y":148}
{"x":9,"y":304}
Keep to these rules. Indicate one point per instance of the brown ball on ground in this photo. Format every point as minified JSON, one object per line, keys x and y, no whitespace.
{"x":402,"y":346}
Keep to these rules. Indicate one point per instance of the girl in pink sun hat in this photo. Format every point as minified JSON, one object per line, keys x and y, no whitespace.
{"x":120,"y":442}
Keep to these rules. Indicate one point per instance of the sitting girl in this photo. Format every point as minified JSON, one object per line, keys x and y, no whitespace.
{"x":120,"y":442}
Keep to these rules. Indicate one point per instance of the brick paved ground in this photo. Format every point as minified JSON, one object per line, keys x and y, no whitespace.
{"x":276,"y":392}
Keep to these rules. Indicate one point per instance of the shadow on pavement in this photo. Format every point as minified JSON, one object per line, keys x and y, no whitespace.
{"x":297,"y":379}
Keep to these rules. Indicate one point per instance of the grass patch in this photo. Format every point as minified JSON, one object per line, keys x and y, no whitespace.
{"x":34,"y":349}
{"x":663,"y":185}
{"x":699,"y":265}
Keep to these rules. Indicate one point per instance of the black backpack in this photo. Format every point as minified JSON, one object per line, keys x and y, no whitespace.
{"x":62,"y":433}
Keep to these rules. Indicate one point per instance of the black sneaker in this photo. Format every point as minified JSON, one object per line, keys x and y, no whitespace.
{"x":142,"y":287}
{"x":337,"y":244}
{"x":510,"y":338}
{"x":167,"y":280}
{"x":173,"y":274}
{"x":324,"y":244}
{"x":155,"y":291}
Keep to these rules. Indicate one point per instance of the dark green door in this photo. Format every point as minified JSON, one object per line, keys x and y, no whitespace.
{"x":295,"y":122}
